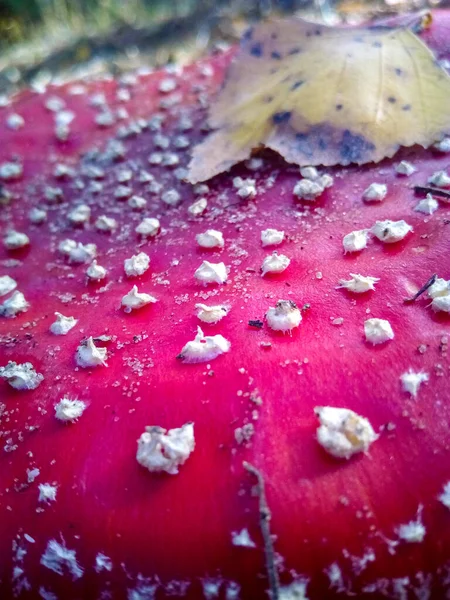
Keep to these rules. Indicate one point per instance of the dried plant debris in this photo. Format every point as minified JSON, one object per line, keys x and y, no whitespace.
{"x":381,"y":90}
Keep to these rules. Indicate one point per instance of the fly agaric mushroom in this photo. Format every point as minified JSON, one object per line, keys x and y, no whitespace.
{"x":304,"y":452}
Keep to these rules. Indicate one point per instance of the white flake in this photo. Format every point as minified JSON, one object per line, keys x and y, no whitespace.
{"x":427,"y":206}
{"x":137,"y":202}
{"x":61,"y":560}
{"x":88,"y":355}
{"x":80,"y":214}
{"x":47,"y":492}
{"x":148,"y":227}
{"x":103,"y":563}
{"x":135,"y":300}
{"x":443,"y":145}
{"x":136,"y":265}
{"x":15,"y":122}
{"x":211,"y":272}
{"x":162,"y":450}
{"x":358,"y":283}
{"x":14,"y":240}
{"x":82,"y":253}
{"x":96,"y":272}
{"x":376,"y":192}
{"x":204,"y":348}
{"x":271,"y":237}
{"x":37,"y":215}
{"x":63,"y":324}
{"x":439,"y":289}
{"x":342,"y":432}
{"x":210,"y":314}
{"x":211,"y":588}
{"x":21,"y":376}
{"x":245,"y":187}
{"x":10,"y":171}
{"x":242,"y":538}
{"x":441,"y":303}
{"x":255,"y":163}
{"x":294,"y":591}
{"x":309,"y":189}
{"x":405,"y":168}
{"x":355,"y":240}
{"x":284,"y":316}
{"x":106,"y":224}
{"x":378,"y":331}
{"x":445,"y":496}
{"x":68,"y":410}
{"x":167,"y":85}
{"x":7,"y":284}
{"x":14,"y":305}
{"x":210,"y":239}
{"x":198,"y":207}
{"x":171,"y":198}
{"x":32,"y":474}
{"x":390,"y":232}
{"x":275,"y":263}
{"x":440,"y":179}
{"x":411,"y":381}
{"x":414,"y":531}
{"x":309,"y":173}
{"x":66,"y":246}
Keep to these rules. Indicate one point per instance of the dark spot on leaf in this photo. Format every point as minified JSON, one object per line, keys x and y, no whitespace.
{"x":406,"y":107}
{"x":257,"y":50}
{"x":281,"y":117}
{"x":248,"y":34}
{"x":398,"y":71}
{"x":296,"y":85}
{"x":268,"y":99}
{"x":276,"y":55}
{"x":294,"y":51}
{"x":339,"y":106}
{"x":354,"y":147}
{"x":318,"y":32}
{"x":392,"y":100}
{"x":303,"y":144}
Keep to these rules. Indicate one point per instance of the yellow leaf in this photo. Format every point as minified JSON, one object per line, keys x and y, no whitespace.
{"x":324,"y":96}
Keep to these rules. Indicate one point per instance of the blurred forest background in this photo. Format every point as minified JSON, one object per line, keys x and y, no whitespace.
{"x":45,"y":39}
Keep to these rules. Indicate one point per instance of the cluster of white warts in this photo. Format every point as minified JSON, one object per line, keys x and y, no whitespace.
{"x":284,"y":316}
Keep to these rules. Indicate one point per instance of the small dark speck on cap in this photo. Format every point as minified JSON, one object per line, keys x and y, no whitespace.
{"x":398,"y":71}
{"x":293,"y":51}
{"x":392,"y":100}
{"x":276,"y":55}
{"x":406,"y":107}
{"x":339,"y":106}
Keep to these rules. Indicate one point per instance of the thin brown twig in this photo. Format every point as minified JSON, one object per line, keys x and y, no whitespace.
{"x":429,"y":189}
{"x":264,"y":524}
{"x":423,"y":289}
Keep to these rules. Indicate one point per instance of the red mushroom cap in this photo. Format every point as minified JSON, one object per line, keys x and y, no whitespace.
{"x":80,"y":517}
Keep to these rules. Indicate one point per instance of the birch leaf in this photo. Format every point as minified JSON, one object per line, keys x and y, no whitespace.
{"x":325,"y":96}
